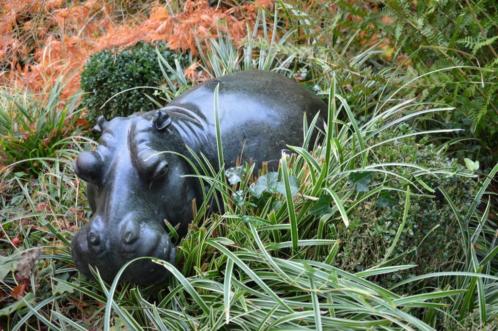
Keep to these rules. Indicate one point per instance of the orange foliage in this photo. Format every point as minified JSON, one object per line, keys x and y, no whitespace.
{"x":42,"y":39}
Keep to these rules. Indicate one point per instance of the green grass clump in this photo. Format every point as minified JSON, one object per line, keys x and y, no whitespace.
{"x":32,"y":130}
{"x":271,"y":260}
{"x":280,"y":232}
{"x":441,"y":52}
{"x":119,"y":83}
{"x":462,"y":36}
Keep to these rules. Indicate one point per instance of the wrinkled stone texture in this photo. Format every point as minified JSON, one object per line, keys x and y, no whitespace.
{"x":134,"y":183}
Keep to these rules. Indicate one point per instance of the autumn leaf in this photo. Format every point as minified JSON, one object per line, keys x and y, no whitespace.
{"x":263,"y":3}
{"x":387,"y":20}
{"x":16,"y":241}
{"x":19,"y":291}
{"x":27,"y":262}
{"x":82,"y":123}
{"x":67,"y":35}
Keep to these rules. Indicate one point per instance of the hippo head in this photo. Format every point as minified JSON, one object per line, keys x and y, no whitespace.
{"x":134,"y":186}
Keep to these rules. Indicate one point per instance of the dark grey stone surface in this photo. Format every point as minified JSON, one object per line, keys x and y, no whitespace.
{"x":133,"y":187}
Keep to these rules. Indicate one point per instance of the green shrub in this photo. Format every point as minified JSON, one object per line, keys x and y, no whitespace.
{"x":441,"y":52}
{"x":32,"y":131}
{"x":121,"y":83}
{"x":430,"y":236}
{"x":460,"y":34}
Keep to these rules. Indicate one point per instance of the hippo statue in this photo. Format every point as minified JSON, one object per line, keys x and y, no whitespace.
{"x":133,"y":187}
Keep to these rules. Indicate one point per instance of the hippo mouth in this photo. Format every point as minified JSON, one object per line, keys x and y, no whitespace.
{"x":145,"y":271}
{"x":111,"y":255}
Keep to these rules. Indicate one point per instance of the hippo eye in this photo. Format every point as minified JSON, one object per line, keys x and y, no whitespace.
{"x":89,"y":166}
{"x":152,"y":167}
{"x":150,"y":163}
{"x":161,"y":169}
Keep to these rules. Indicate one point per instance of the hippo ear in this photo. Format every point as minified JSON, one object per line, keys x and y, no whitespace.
{"x":162,"y":120}
{"x":99,"y":127}
{"x":89,"y":167}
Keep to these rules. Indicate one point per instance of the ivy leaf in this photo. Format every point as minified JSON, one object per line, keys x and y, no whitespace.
{"x":7,"y":264}
{"x":61,"y":287}
{"x":266,"y":183}
{"x":322,"y":206}
{"x":361,"y":180}
{"x":471,"y":165}
{"x":234,"y":175}
{"x":9,"y":310}
{"x":239,"y":198}
{"x":294,"y":186}
{"x":386,"y":200}
{"x":269,"y":183}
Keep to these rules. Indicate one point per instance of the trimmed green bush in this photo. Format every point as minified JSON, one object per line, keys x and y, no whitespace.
{"x":121,"y":83}
{"x":430,"y":236}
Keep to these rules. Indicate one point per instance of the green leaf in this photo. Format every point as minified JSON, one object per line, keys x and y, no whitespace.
{"x":227,"y":289}
{"x":61,"y":287}
{"x":28,"y":298}
{"x":322,"y":206}
{"x":386,"y":199}
{"x":253,"y":275}
{"x":471,"y":165}
{"x":316,"y":305}
{"x":266,"y":183}
{"x":185,"y":283}
{"x":234,"y":175}
{"x":294,"y":186}
{"x":339,"y":205}
{"x":7,"y":264}
{"x":290,"y":206}
{"x":361,"y":180}
{"x":401,"y":226}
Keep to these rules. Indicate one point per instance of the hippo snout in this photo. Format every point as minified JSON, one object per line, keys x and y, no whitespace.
{"x":109,"y":249}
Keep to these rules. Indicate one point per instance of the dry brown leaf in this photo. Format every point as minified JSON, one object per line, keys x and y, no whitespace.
{"x":26,"y":264}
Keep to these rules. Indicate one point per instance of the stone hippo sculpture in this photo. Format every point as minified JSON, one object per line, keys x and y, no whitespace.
{"x":132,"y":188}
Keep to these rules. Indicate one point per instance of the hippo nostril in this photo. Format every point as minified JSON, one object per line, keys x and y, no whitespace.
{"x":93,"y":238}
{"x":130,"y":237}
{"x":130,"y":231}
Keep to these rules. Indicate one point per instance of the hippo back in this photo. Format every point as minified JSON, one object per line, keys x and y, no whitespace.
{"x":260,"y":113}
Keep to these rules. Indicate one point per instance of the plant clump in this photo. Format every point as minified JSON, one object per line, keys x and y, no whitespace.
{"x":429,"y":233}
{"x":373,"y":227}
{"x":32,"y":131}
{"x":43,"y":40}
{"x":121,"y":83}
